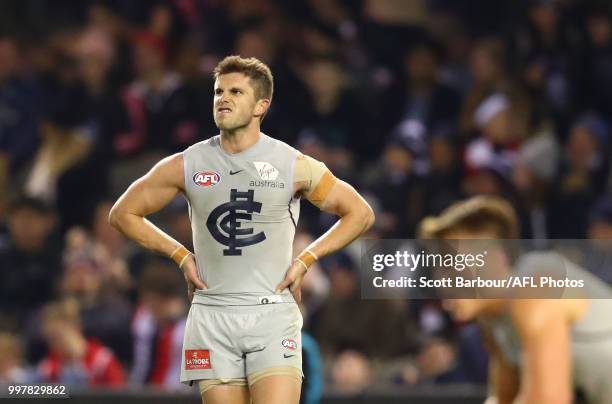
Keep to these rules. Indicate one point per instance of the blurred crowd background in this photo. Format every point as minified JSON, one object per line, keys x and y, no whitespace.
{"x":418,"y":103}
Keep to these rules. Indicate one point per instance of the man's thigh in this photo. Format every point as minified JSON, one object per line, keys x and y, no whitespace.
{"x":276,"y":389}
{"x":274,"y":356}
{"x":226,"y":394}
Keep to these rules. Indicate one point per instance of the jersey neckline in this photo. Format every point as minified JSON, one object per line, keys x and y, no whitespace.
{"x":246,"y":152}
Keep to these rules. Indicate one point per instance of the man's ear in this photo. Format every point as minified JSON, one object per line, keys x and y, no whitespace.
{"x":261,"y":107}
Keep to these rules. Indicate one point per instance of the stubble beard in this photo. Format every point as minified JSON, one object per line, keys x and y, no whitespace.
{"x":232,"y":125}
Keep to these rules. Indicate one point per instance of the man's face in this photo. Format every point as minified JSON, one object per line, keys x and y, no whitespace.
{"x":235,"y":105}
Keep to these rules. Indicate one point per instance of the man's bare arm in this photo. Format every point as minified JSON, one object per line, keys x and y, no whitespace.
{"x":546,"y":372}
{"x":356,"y":217}
{"x":333,"y":196}
{"x":145,"y":196}
{"x":148,"y":195}
{"x":503,"y":377}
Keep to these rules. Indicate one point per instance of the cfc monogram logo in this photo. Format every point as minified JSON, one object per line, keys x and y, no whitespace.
{"x":225,"y":221}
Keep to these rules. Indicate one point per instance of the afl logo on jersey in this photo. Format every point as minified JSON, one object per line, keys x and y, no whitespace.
{"x":289,"y":344}
{"x":206,"y":178}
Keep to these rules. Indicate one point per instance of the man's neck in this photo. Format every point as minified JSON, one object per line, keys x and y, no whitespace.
{"x":240,"y":139}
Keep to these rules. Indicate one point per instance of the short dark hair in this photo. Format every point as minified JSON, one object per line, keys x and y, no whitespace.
{"x":259,"y":73}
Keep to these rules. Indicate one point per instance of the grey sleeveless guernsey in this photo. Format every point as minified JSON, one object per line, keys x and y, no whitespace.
{"x":243,"y":217}
{"x":591,"y":335}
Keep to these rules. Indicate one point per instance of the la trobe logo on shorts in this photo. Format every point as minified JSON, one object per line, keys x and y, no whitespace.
{"x":197,"y":359}
{"x":206,"y":178}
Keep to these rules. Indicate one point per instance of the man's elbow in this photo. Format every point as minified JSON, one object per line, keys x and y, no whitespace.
{"x":368,"y":218}
{"x":114,"y":217}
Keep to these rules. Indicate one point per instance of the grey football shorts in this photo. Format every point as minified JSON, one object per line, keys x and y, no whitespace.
{"x":231,"y":342}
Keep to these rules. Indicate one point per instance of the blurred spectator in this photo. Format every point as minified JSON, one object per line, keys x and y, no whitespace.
{"x":426,"y":100}
{"x":447,"y":356}
{"x":488,"y":73}
{"x":20,"y":113}
{"x":158,"y":326}
{"x":352,"y":372}
{"x":596,"y":81}
{"x":444,"y":177}
{"x":363,"y":326}
{"x":451,"y":33}
{"x":62,"y":146}
{"x":66,"y":139}
{"x":343,"y":303}
{"x":435,"y":358}
{"x":98,"y":283}
{"x":158,"y":110}
{"x":30,"y":261}
{"x":397,"y":181}
{"x":391,"y":19}
{"x":532,"y":176}
{"x":12,"y":370}
{"x":600,"y":232}
{"x":174,"y":219}
{"x":107,"y":236}
{"x":547,"y":46}
{"x":72,"y":358}
{"x":582,"y":176}
{"x":86,"y":182}
{"x":490,"y":158}
{"x":334,"y":117}
{"x":495,"y":147}
{"x":196,"y":73}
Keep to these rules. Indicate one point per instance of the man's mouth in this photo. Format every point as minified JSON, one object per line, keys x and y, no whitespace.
{"x":224,"y":110}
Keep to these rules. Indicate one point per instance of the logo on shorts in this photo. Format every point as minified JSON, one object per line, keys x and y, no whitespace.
{"x":266,"y":170}
{"x":197,"y":359}
{"x":225,"y":222}
{"x":289,"y":344}
{"x":206,"y":178}
{"x":270,"y":299}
